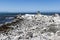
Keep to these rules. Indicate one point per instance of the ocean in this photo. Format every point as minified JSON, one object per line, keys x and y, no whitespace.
{"x":7,"y":17}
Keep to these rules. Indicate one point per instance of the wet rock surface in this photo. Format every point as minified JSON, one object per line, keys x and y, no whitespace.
{"x":32,"y":27}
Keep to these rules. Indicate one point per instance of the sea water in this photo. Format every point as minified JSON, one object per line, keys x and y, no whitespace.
{"x":7,"y":17}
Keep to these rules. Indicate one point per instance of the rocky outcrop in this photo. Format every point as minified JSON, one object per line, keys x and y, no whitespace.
{"x":33,"y":27}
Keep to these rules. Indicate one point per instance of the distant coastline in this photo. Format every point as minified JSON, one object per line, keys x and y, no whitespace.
{"x":23,"y":13}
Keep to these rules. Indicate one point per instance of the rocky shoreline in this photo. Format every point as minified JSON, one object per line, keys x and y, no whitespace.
{"x":32,"y":27}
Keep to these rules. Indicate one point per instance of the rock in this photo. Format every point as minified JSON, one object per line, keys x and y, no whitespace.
{"x":30,"y":34}
{"x":32,"y":27}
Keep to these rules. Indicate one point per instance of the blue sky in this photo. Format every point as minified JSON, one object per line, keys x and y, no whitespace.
{"x":29,"y":5}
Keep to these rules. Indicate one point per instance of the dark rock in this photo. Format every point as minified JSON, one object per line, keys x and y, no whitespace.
{"x":27,"y":37}
{"x":53,"y":29}
{"x":58,"y":33}
{"x":30,"y":34}
{"x":20,"y":37}
{"x":5,"y":28}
